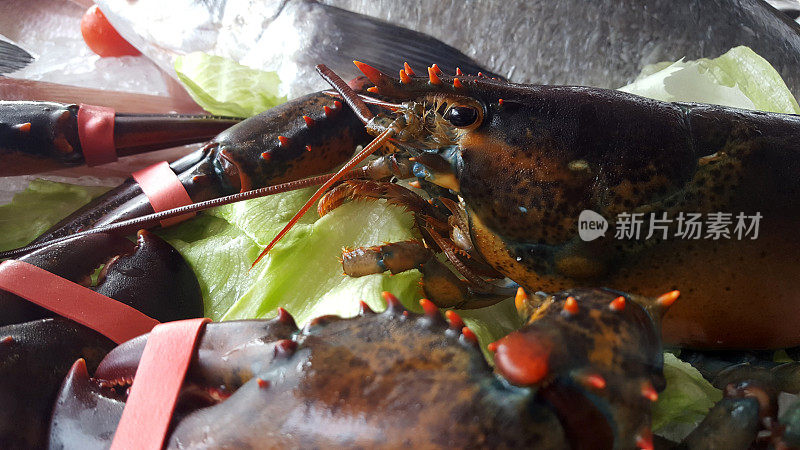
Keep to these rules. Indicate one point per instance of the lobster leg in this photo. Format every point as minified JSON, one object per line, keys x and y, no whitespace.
{"x":439,"y":284}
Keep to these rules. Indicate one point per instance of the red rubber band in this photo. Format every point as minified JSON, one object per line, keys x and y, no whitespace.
{"x":156,"y":385}
{"x":164,"y":190}
{"x":96,"y":134}
{"x":115,"y":320}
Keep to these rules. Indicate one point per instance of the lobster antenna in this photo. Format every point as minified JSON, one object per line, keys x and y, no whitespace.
{"x":368,"y":150}
{"x":352,"y":99}
{"x":368,"y":100}
{"x":363,"y":113}
{"x":151,"y":220}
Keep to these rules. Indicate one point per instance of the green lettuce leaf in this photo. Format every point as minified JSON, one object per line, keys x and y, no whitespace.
{"x":303,"y":273}
{"x":740,"y":78}
{"x":224,"y":87}
{"x":34,"y":210}
{"x":685,"y":401}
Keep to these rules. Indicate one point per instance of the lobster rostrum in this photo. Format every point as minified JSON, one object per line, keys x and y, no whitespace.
{"x":398,"y":379}
{"x":37,"y":347}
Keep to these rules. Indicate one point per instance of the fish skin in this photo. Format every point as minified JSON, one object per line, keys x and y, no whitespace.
{"x":603,"y":43}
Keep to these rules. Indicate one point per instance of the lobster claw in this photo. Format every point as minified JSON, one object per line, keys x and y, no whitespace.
{"x":37,"y":350}
{"x":40,"y":136}
{"x":545,"y":353}
{"x":34,"y":356}
{"x":150,"y":276}
{"x":87,"y":410}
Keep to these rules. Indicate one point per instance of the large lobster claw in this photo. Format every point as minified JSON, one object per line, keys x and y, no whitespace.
{"x":37,"y":349}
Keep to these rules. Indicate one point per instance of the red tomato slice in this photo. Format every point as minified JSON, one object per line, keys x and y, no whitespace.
{"x":101,"y":37}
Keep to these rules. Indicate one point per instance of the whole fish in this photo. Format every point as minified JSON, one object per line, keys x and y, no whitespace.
{"x":601,"y":43}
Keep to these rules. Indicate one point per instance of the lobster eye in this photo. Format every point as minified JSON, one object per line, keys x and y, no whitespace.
{"x":461,"y":116}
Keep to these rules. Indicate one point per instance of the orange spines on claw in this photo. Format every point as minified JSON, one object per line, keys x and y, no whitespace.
{"x":666,"y":300}
{"x":454,"y":319}
{"x":593,"y":380}
{"x":469,"y":335}
{"x":370,"y":72}
{"x":429,"y":308}
{"x":571,"y":306}
{"x":618,"y":304}
{"x":649,"y":392}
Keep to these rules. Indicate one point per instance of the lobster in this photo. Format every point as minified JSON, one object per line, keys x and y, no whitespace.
{"x":449,"y":125}
{"x":510,"y":167}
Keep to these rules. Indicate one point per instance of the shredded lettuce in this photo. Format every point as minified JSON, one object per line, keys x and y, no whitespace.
{"x":224,"y":87}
